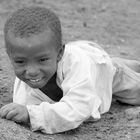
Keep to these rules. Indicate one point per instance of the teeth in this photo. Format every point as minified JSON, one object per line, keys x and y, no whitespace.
{"x":36,"y":80}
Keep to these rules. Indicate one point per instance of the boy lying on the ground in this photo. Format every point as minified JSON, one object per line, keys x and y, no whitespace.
{"x":59,"y":86}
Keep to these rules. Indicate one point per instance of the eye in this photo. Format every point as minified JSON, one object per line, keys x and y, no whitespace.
{"x":43,"y":59}
{"x":19,"y":61}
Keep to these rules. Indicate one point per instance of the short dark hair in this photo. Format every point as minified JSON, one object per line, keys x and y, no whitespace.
{"x":32,"y":20}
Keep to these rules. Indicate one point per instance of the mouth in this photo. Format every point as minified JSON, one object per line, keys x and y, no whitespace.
{"x":36,"y":83}
{"x":35,"y":80}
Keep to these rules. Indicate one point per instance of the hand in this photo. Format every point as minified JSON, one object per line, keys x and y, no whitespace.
{"x":15,"y":112}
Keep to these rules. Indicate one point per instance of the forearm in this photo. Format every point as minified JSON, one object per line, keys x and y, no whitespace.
{"x":54,"y":118}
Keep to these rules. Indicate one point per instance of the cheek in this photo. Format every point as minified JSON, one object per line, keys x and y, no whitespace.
{"x":19,"y":71}
{"x":50,"y":69}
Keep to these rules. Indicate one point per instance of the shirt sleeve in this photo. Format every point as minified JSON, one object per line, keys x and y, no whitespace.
{"x":79,"y":102}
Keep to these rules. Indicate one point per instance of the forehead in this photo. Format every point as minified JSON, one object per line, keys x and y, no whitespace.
{"x":44,"y":39}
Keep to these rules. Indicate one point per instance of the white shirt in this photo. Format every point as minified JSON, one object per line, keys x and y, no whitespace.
{"x":85,"y":75}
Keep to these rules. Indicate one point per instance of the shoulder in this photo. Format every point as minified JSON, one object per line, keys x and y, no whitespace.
{"x":82,"y":49}
{"x":75,"y":55}
{"x":77,"y":48}
{"x":74,"y":51}
{"x":82,"y":44}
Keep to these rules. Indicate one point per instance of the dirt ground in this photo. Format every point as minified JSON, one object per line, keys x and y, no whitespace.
{"x":114,"y":24}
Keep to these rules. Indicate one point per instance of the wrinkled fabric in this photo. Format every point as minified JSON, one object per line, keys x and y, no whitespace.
{"x":126,"y":84}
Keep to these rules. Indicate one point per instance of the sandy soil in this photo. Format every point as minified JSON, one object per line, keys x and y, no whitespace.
{"x":113,"y":24}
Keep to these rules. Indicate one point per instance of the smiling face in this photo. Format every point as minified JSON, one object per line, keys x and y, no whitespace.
{"x":34,"y":58}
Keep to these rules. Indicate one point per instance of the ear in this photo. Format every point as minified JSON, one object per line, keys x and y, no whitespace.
{"x":60,"y":53}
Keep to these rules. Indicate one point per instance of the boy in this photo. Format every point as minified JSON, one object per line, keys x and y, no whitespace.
{"x":57,"y":86}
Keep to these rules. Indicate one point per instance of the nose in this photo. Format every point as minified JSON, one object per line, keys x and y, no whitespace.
{"x":32,"y":71}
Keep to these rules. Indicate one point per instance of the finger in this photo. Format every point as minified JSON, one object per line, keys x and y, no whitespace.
{"x":4,"y":112}
{"x":5,"y":109}
{"x":1,"y":110}
{"x":11,"y":114}
{"x":16,"y":118}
